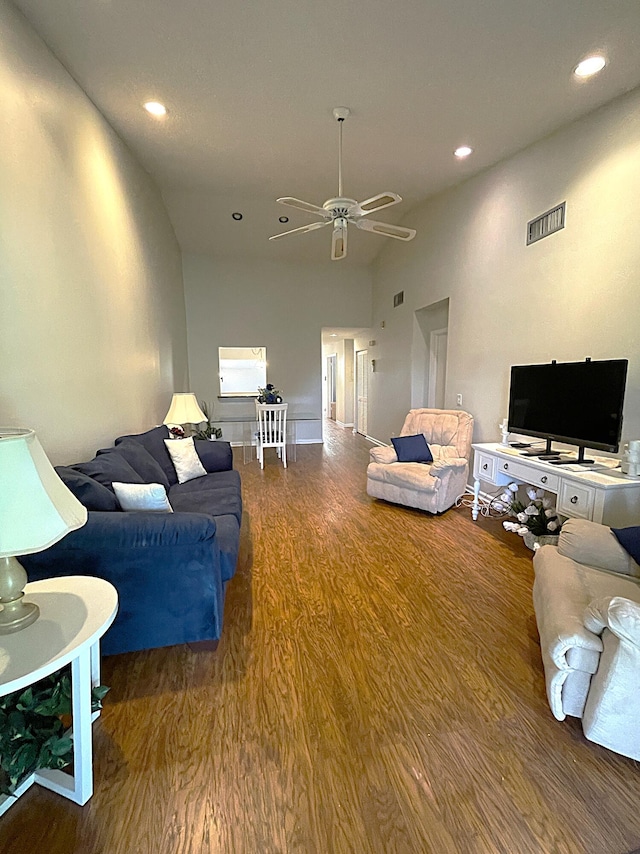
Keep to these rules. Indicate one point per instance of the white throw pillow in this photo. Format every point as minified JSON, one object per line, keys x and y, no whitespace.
{"x":185,"y":459}
{"x":142,"y":496}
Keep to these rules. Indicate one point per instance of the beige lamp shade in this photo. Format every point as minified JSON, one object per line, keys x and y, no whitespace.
{"x":36,"y":508}
{"x":184,"y":409}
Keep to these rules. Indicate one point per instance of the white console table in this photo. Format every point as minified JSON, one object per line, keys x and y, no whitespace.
{"x":602,"y":495}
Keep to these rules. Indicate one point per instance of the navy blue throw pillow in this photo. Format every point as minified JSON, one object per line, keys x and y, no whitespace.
{"x":109,"y":467}
{"x":140,"y":461}
{"x":88,"y":491}
{"x":153,"y":441}
{"x":412,"y":449}
{"x":629,"y":539}
{"x":214,"y":456}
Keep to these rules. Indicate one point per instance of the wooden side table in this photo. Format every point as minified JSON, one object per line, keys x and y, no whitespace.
{"x":74,"y":614}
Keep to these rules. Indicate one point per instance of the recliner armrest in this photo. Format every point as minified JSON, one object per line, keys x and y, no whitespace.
{"x":384,"y":454}
{"x":592,"y":544}
{"x":440,"y":467}
{"x":611,"y":711}
{"x":621,"y":616}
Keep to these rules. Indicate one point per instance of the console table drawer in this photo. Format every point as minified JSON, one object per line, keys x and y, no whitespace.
{"x":528,"y":474}
{"x":485,"y":467}
{"x":576,"y":499}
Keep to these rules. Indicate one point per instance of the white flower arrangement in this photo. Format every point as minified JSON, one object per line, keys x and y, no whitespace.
{"x":539,"y":516}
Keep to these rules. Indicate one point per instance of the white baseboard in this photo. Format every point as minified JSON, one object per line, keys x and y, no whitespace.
{"x":374,"y":441}
{"x":344,"y":424}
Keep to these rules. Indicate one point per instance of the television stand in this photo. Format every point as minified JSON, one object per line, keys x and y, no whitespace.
{"x":554,"y":456}
{"x":547,"y":454}
{"x":577,"y":461}
{"x":606,"y":496}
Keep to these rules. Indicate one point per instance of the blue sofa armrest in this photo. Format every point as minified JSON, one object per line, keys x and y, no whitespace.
{"x":166,"y":568}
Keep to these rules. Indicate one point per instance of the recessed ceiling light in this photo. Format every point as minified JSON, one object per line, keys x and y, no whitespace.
{"x":155,"y":108}
{"x":283,"y":219}
{"x":237,"y":216}
{"x":333,"y":335}
{"x":463,"y":151}
{"x":590,"y":65}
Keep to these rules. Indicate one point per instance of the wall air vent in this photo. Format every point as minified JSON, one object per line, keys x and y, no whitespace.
{"x":398,"y":299}
{"x":548,"y":223}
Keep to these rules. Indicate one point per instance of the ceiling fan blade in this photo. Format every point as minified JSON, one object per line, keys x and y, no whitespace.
{"x":304,"y":206}
{"x":339,"y":241}
{"x":376,"y":203}
{"x":384,"y":228}
{"x":302,"y":230}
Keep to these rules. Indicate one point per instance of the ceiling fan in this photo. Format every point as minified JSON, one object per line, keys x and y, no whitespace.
{"x":339,"y":212}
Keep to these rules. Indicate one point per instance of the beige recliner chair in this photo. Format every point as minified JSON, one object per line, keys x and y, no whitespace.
{"x":428,"y":486}
{"x":586,"y":598}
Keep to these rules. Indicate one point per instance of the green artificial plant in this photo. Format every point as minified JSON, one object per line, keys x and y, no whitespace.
{"x":208,"y":432}
{"x":33,"y":731}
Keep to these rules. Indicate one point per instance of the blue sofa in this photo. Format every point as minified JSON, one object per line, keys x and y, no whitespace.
{"x":170,"y":569}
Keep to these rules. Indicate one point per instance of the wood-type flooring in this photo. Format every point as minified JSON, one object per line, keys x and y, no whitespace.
{"x":378,"y":689}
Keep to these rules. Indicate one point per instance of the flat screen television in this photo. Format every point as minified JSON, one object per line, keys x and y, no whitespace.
{"x":578,"y":403}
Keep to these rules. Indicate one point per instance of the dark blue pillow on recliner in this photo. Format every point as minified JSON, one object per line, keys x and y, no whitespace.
{"x":412,"y":449}
{"x":629,"y":539}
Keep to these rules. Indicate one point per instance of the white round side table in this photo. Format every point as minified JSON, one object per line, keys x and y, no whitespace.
{"x":75,"y":612}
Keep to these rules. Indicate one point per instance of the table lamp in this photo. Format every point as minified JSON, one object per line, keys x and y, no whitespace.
{"x":36,"y":510}
{"x":184,"y":409}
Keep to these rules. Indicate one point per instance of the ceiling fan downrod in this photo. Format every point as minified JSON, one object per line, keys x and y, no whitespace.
{"x":340,"y":114}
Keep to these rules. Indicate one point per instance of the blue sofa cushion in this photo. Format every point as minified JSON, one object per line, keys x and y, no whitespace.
{"x":109,"y":467}
{"x":215,"y":501}
{"x":629,"y":539}
{"x":412,"y":449}
{"x":153,"y":442}
{"x":199,"y":484}
{"x":88,"y":491}
{"x":215,"y":456}
{"x":140,"y":461}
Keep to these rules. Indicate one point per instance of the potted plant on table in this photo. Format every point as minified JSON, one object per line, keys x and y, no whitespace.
{"x":210,"y":431}
{"x":269,"y":394}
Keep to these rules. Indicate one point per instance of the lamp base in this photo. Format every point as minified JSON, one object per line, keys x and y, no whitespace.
{"x":15,"y":614}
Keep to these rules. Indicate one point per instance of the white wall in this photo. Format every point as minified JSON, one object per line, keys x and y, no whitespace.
{"x":92,"y":322}
{"x":277,"y":305}
{"x":574,"y":294}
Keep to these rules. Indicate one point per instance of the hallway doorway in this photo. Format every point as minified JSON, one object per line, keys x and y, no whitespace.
{"x":429,"y":356}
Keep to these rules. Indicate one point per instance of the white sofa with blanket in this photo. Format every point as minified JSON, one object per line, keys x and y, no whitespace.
{"x":586,"y":597}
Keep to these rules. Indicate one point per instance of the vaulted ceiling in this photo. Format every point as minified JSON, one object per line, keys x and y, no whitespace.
{"x":250,"y":87}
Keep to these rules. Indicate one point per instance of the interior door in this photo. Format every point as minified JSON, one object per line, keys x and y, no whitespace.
{"x":362,"y":385}
{"x":331,"y":386}
{"x":437,"y":368}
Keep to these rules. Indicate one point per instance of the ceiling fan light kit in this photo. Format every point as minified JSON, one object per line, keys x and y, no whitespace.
{"x":341,"y":211}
